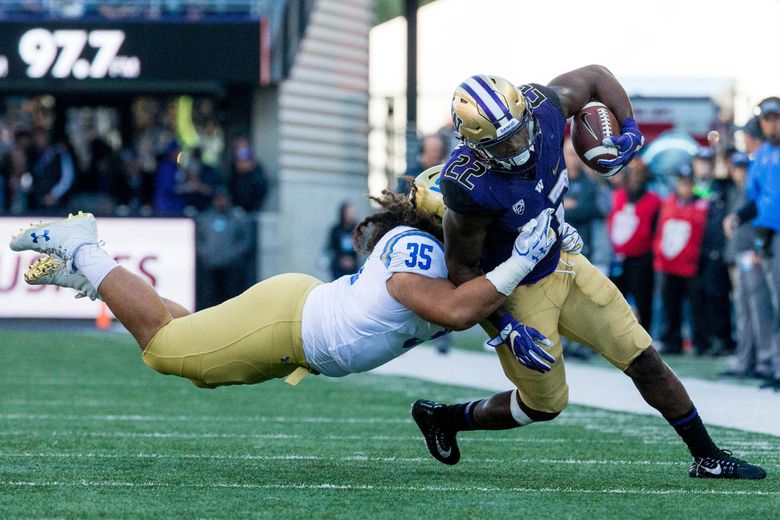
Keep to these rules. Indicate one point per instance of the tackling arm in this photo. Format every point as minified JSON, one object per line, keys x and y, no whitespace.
{"x":437,"y":300}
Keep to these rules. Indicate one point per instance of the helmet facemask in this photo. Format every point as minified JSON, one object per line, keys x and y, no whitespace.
{"x":515,"y":149}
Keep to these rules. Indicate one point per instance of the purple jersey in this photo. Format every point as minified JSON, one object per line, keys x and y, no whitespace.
{"x":514,"y":197}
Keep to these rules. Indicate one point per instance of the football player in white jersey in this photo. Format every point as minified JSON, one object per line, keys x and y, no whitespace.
{"x":293,"y":324}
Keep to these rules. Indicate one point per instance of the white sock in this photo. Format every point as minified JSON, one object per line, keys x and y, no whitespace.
{"x":518,"y":414}
{"x":94,"y":263}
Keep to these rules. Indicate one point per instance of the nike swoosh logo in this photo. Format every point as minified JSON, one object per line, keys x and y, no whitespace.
{"x":443,"y":452}
{"x":586,"y":124}
{"x":714,"y":471}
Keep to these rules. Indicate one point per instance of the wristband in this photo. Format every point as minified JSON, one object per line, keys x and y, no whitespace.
{"x":507,"y":275}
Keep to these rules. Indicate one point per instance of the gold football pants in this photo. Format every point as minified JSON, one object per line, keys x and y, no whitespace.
{"x":576,"y":301}
{"x":248,"y":339}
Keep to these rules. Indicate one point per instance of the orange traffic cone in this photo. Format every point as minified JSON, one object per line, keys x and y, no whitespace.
{"x":103,"y":320}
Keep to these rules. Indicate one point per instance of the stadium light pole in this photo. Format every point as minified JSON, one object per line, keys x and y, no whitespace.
{"x":410,"y":12}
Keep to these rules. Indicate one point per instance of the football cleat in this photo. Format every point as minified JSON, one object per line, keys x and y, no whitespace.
{"x":723,"y":465}
{"x":440,"y":440}
{"x":59,"y":238}
{"x":51,"y":271}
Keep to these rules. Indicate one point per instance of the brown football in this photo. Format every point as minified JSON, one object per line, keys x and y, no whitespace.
{"x":588,"y":128}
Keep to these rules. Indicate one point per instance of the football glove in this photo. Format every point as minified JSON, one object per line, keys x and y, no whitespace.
{"x":571,"y":241}
{"x":535,"y":238}
{"x":524,"y":342}
{"x":628,"y":143}
{"x":531,"y":245}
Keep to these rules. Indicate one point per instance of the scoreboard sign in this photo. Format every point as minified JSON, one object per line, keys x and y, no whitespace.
{"x":82,"y":52}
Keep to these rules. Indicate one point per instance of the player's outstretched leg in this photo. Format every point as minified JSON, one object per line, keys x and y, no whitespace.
{"x":662,"y":390}
{"x":51,"y":271}
{"x":433,"y":422}
{"x":73,"y":242}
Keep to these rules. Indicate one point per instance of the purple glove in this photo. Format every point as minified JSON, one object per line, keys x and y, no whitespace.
{"x":628,"y":143}
{"x":522,"y":341}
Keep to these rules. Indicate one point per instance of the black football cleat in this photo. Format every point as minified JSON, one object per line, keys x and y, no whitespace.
{"x":431,"y":418}
{"x":723,"y":465}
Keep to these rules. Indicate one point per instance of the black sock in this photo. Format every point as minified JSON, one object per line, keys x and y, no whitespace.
{"x":461,"y":416}
{"x":694,"y":434}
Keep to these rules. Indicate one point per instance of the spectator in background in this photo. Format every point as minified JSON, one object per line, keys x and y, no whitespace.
{"x":632,"y":226}
{"x":752,"y":300}
{"x":752,"y":135}
{"x":248,"y":183}
{"x":168,"y":183}
{"x":763,"y":208}
{"x":714,"y":280}
{"x":581,"y":202}
{"x":15,"y":171}
{"x":703,"y":172}
{"x":134,"y":186}
{"x":200,"y":182}
{"x":224,"y":239}
{"x":433,"y":150}
{"x":96,"y":186}
{"x":677,"y":249}
{"x":341,"y":249}
{"x":52,"y":173}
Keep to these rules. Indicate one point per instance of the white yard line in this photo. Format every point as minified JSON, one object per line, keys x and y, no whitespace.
{"x":346,"y":458}
{"x":368,"y":487}
{"x":734,"y":406}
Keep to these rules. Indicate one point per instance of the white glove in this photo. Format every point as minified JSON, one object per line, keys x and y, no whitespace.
{"x":535,"y":238}
{"x":571,"y":241}
{"x":532,"y":244}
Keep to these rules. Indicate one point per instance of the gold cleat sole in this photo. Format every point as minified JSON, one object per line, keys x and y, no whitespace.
{"x":31,"y":226}
{"x":40,"y":268}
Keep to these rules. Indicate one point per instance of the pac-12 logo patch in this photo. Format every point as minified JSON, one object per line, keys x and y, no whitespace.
{"x":519,"y":207}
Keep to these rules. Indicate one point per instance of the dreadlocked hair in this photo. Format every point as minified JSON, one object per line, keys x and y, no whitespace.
{"x":397,"y":210}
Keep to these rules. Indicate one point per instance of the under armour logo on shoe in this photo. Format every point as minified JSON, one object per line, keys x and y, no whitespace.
{"x":36,"y":237}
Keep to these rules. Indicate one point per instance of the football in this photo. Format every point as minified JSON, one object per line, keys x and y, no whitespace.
{"x":588,"y":128}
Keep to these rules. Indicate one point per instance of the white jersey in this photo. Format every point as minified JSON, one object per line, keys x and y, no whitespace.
{"x":353,"y":324}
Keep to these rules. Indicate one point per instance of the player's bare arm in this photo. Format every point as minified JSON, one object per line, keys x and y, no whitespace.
{"x":437,"y":300}
{"x":592,"y":82}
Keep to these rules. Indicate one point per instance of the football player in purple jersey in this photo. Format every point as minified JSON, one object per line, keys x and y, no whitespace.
{"x":509,"y":167}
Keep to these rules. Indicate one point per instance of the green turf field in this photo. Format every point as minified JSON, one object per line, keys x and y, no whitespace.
{"x":87,"y":430}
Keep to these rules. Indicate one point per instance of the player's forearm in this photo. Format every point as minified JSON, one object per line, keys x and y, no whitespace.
{"x":471,"y":303}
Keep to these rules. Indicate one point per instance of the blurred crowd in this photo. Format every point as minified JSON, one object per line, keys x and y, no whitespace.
{"x":191,"y":10}
{"x":172,"y":163}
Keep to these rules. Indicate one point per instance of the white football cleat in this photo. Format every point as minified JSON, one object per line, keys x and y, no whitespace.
{"x":60,"y":238}
{"x":51,"y":271}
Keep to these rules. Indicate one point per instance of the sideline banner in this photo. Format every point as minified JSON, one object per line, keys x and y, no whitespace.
{"x":161,"y":251}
